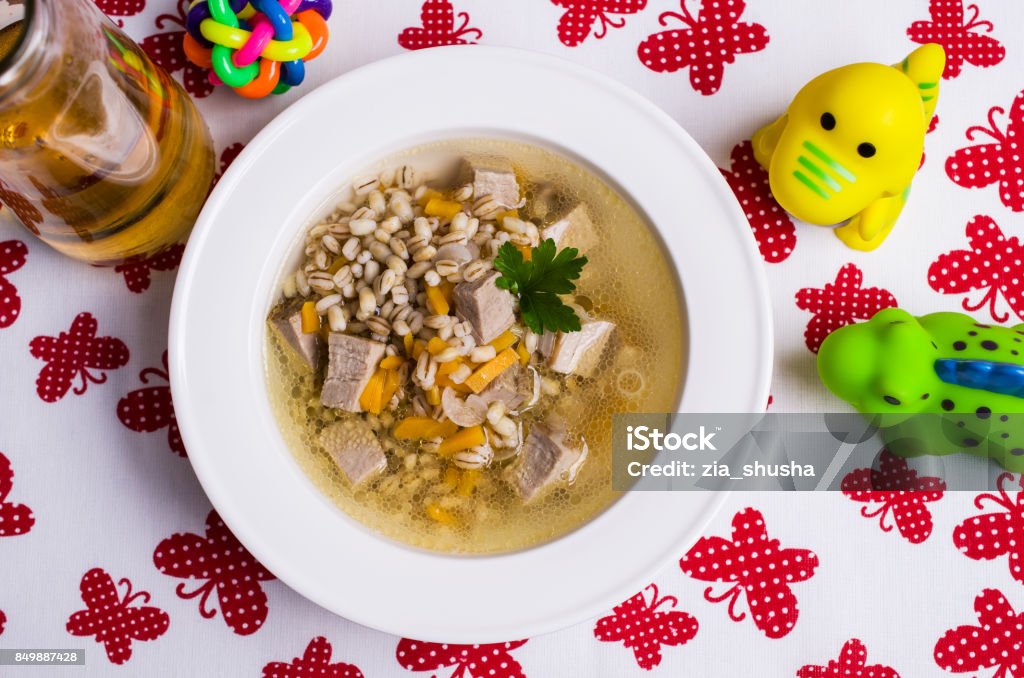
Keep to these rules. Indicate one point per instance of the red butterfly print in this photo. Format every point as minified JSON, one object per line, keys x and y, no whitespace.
{"x":226,"y":566}
{"x":12,"y":257}
{"x":3,"y":621}
{"x":15,"y":519}
{"x":150,"y":409}
{"x":643,"y":628}
{"x":992,"y":535}
{"x":710,"y":41}
{"x":840,"y":303}
{"x":314,"y":663}
{"x":27,"y":213}
{"x":1002,"y":161}
{"x":992,"y":264}
{"x":227,"y":156}
{"x":166,"y":50}
{"x":492,"y":660}
{"x":995,"y":643}
{"x":136,"y":270}
{"x":771,"y":225}
{"x":72,"y":354}
{"x":578,"y":21}
{"x":899,"y":490}
{"x":438,"y":30}
{"x":121,"y":7}
{"x":957,"y":36}
{"x":769,"y":597}
{"x":113,"y":620}
{"x":852,"y":663}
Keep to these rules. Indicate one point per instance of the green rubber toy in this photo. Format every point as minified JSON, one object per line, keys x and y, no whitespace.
{"x":968,"y":377}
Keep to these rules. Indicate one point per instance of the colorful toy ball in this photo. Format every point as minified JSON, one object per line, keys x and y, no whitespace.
{"x":258,"y":47}
{"x":846,"y":149}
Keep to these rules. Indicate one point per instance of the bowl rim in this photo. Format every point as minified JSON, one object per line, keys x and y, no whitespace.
{"x":546,"y":587}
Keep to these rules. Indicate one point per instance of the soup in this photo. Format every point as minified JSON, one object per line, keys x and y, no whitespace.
{"x":446,"y":360}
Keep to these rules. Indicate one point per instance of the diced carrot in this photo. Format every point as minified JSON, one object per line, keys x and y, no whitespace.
{"x":500,"y":217}
{"x":436,"y":345}
{"x":434,"y":395}
{"x":437,"y":207}
{"x":526,"y":251}
{"x":418,"y":347}
{"x":336,"y":265}
{"x":463,"y":440}
{"x":524,"y":355}
{"x":447,"y":289}
{"x":436,"y":301}
{"x":407,"y":343}
{"x":506,"y":339}
{"x":392,"y":362}
{"x":467,"y":482}
{"x":391,"y":383}
{"x":447,"y":368}
{"x":451,"y":478}
{"x":310,"y":318}
{"x":440,"y":515}
{"x":489,"y":371}
{"x":370,"y":400}
{"x":413,"y":428}
{"x":430,"y":194}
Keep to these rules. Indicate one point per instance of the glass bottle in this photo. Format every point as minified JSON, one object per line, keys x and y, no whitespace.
{"x":102,"y":155}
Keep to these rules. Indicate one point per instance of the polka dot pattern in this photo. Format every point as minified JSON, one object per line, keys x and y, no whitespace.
{"x":959,"y":36}
{"x":114,"y":621}
{"x":641,"y":626}
{"x":314,"y":663}
{"x":22,"y":208}
{"x":72,"y":354}
{"x":994,"y":643}
{"x":1000,"y":162}
{"x":755,"y":566}
{"x":166,"y":50}
{"x":994,"y":263}
{"x":136,"y":271}
{"x":900,"y":491}
{"x":998,"y":533}
{"x":151,"y":409}
{"x":439,"y":29}
{"x":13,"y":254}
{"x":225,"y":566}
{"x":580,"y":18}
{"x":15,"y":519}
{"x":121,"y":7}
{"x":711,"y":40}
{"x":493,"y":660}
{"x":852,"y":663}
{"x":770,"y":224}
{"x":840,"y":303}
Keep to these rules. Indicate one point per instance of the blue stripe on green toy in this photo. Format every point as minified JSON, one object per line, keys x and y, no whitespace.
{"x":983,"y":375}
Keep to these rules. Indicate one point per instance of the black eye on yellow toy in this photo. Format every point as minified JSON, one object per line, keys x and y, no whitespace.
{"x":846,"y":149}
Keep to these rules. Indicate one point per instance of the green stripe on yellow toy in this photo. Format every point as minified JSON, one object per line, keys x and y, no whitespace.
{"x":256,"y":47}
{"x":848,"y":146}
{"x":968,"y":377}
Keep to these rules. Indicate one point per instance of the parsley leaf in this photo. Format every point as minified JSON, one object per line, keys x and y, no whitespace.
{"x":539,"y":281}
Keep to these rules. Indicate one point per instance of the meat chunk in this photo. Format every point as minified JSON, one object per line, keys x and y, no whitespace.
{"x":288,"y":322}
{"x":513,"y":387}
{"x":354,"y":447}
{"x":574,"y":229}
{"x":486,"y":306}
{"x":351,"y":363}
{"x":546,"y":458}
{"x":580,"y":352}
{"x":493,"y":177}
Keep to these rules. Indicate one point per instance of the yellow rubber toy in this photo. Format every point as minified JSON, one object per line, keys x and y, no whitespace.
{"x":850,"y":143}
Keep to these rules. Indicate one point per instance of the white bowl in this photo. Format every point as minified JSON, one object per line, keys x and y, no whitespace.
{"x":288,"y":175}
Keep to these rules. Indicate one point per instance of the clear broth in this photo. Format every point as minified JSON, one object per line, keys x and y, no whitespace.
{"x":628,"y":281}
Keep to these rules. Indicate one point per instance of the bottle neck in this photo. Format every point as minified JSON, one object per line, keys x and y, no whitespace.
{"x":30,"y":56}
